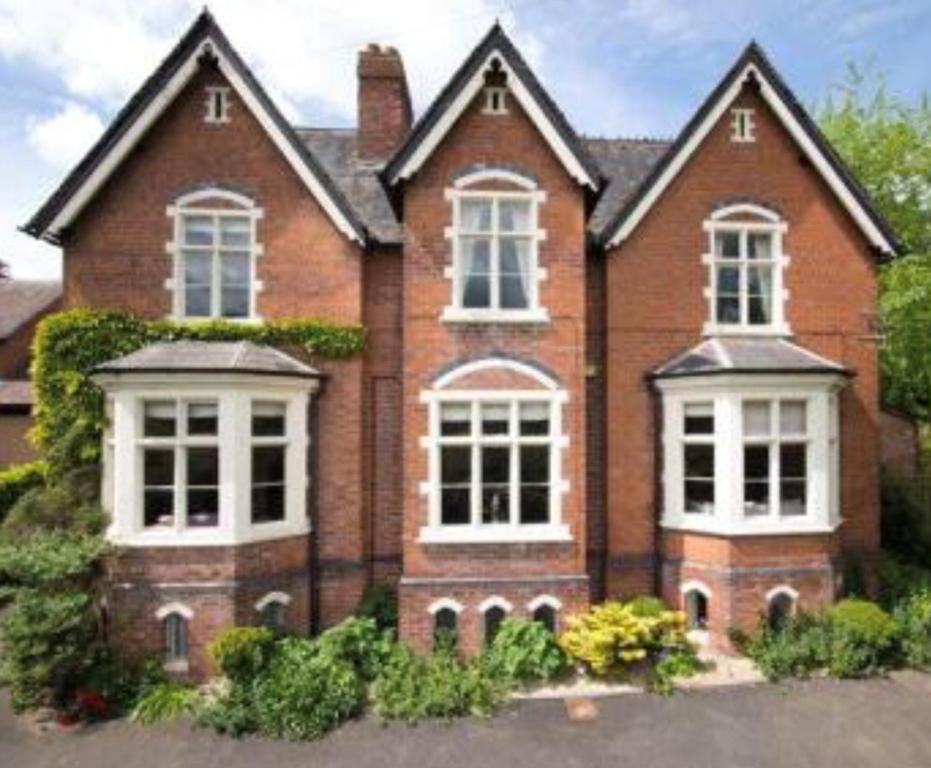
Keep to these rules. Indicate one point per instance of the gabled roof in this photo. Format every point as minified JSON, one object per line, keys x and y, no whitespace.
{"x":22,"y":300}
{"x":754,"y":64}
{"x":204,"y":38}
{"x":209,"y":357}
{"x":742,"y":354}
{"x":442,"y":114}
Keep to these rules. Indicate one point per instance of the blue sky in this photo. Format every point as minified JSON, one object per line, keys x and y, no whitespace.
{"x":622,"y":67}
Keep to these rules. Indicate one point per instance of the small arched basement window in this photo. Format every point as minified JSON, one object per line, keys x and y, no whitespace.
{"x":696,"y":609}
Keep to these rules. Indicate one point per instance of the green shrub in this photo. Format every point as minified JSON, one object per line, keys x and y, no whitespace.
{"x":166,"y":701}
{"x":242,"y":653}
{"x":863,"y":638}
{"x":913,"y":616}
{"x":525,"y":651}
{"x":380,"y":603}
{"x":16,"y":480}
{"x":358,"y":643}
{"x":412,"y":688}
{"x":798,"y":649}
{"x":304,"y":693}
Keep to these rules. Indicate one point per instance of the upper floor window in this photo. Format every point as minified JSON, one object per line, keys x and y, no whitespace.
{"x":746,"y":264}
{"x":495,"y":237}
{"x":215,"y":250}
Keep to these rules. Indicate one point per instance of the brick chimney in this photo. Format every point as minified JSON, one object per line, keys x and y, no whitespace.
{"x":384,"y":102}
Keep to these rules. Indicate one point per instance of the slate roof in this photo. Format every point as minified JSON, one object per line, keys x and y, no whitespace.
{"x":22,"y":300}
{"x":742,"y":354}
{"x":210,"y":357}
{"x":16,"y":395}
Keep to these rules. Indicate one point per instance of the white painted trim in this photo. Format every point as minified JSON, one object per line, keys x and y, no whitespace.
{"x":695,"y":586}
{"x":495,"y":601}
{"x":492,"y":363}
{"x":442,"y":126}
{"x":540,"y":600}
{"x":782,"y":589}
{"x":179,"y":608}
{"x":445,"y":602}
{"x":282,"y":598}
{"x":821,"y":163}
{"x":154,"y":110}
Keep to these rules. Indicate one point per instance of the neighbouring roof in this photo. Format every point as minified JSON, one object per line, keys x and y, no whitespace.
{"x":209,"y":357}
{"x":22,"y":300}
{"x":204,"y":38}
{"x":16,"y":395}
{"x":753,"y":64}
{"x":496,"y":46}
{"x":743,"y":354}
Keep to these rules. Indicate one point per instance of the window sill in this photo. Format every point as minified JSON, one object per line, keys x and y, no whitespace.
{"x":467,"y":534}
{"x":538,"y":316}
{"x":780,"y":527}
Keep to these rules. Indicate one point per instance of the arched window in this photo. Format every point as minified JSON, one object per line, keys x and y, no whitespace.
{"x":546,"y":615}
{"x":444,"y":629}
{"x":493,"y":618}
{"x":176,"y":639}
{"x":780,"y":606}
{"x":695,"y":597}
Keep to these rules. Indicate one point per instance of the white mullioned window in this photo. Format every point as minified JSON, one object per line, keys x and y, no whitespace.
{"x":215,"y":251}
{"x":751,"y":457}
{"x":495,"y":242}
{"x":746,"y":266}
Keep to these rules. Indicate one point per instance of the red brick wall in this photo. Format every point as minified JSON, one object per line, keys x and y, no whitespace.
{"x":656,"y":308}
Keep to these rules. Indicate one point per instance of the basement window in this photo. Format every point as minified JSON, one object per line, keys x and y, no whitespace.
{"x":217,"y":105}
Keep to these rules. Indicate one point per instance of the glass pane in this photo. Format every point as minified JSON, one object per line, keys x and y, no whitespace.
{"x":759,"y":246}
{"x":760,"y":293}
{"x":456,"y":464}
{"x":728,"y":281}
{"x":159,"y":508}
{"x":203,"y":466}
{"x":198,"y":230}
{"x":268,"y":419}
{"x":534,"y":504}
{"x":203,"y":506}
{"x":267,"y":503}
{"x":535,"y":464}
{"x":234,"y":302}
{"x":756,"y":418}
{"x":159,"y":467}
{"x":455,"y":419}
{"x":792,"y":417}
{"x":495,"y":418}
{"x":475,"y":215}
{"x":159,"y":418}
{"x":699,"y":461}
{"x":268,"y":464}
{"x":699,"y":419}
{"x":728,"y":309}
{"x":235,"y":232}
{"x":534,"y":419}
{"x":756,"y":480}
{"x":202,"y":418}
{"x":455,"y":506}
{"x":727,"y":245}
{"x":699,"y":496}
{"x":514,"y":215}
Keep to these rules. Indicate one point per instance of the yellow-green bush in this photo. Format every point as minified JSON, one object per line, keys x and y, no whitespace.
{"x":612,"y":635}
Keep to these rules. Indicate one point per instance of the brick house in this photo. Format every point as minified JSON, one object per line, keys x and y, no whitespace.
{"x":594,"y":367}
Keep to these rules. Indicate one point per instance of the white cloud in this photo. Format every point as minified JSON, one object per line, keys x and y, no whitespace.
{"x":62,"y":139}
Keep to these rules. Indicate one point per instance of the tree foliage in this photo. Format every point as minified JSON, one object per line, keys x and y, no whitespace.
{"x":886,"y":141}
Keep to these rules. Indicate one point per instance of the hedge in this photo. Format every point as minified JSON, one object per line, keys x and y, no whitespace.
{"x":69,"y":345}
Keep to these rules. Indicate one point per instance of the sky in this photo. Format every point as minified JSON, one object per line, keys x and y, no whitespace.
{"x":616,"y":67}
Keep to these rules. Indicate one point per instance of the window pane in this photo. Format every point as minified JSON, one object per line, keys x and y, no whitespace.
{"x":159,"y":418}
{"x":159,"y":507}
{"x":728,"y":281}
{"x":455,"y":419}
{"x":760,"y":295}
{"x":496,"y":472}
{"x":514,"y":215}
{"x":728,"y":309}
{"x":235,"y":232}
{"x":198,"y":230}
{"x":534,"y":419}
{"x":268,"y":419}
{"x":495,"y":418}
{"x":759,"y":246}
{"x":455,"y":506}
{"x":727,"y":245}
{"x":475,"y":215}
{"x":792,"y":417}
{"x":267,"y":503}
{"x":699,"y":496}
{"x":159,"y":467}
{"x":699,"y":461}
{"x":202,"y":418}
{"x":456,"y":464}
{"x":756,"y":479}
{"x":268,"y":464}
{"x":756,"y":418}
{"x":699,"y":419}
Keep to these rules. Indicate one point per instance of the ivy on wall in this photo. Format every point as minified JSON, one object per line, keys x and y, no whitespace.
{"x":69,"y":413}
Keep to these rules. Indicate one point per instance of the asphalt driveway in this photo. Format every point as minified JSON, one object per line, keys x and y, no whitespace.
{"x":821,"y":724}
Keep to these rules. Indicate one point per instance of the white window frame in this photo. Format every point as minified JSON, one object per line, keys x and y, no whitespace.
{"x":434,"y":532}
{"x":819,"y":391}
{"x":196,"y":204}
{"x":743,"y":125}
{"x":217,"y":94}
{"x":743,"y":219}
{"x":461,"y":190}
{"x":234,"y":395}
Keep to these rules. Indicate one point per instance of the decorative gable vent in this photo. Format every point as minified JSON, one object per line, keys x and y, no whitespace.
{"x":495,"y":101}
{"x":743,"y":126}
{"x":217,"y":104}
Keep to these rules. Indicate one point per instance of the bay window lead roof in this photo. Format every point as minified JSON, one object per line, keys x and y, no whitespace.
{"x":730,"y":355}
{"x":243,"y":357}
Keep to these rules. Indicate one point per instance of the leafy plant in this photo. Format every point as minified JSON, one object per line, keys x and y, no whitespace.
{"x":166,"y":701}
{"x":379,"y":602}
{"x":242,"y":653}
{"x":863,"y":638}
{"x":525,"y":651}
{"x":913,"y":616}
